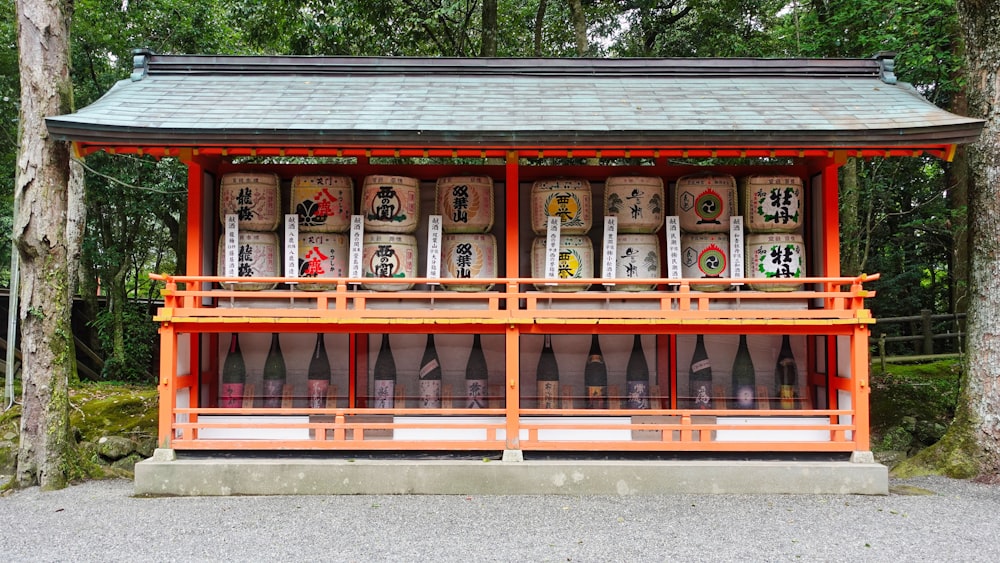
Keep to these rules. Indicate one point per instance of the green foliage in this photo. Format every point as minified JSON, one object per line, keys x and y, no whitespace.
{"x":134,"y":364}
{"x":912,"y":405}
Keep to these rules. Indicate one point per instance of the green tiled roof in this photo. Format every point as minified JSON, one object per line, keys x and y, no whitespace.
{"x":205,"y":100}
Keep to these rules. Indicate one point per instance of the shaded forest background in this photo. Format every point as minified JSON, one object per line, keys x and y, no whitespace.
{"x":903,"y":217}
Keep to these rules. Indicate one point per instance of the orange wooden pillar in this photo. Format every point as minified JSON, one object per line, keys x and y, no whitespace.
{"x":168,"y":383}
{"x":512,"y":365}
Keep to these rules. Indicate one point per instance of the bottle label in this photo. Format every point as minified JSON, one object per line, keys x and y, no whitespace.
{"x":548,"y":394}
{"x":638,"y":394}
{"x":318,"y":389}
{"x":232,"y":396}
{"x":385,"y":393}
{"x":272,"y":393}
{"x":431,"y":366}
{"x":744,"y":397}
{"x":702,"y":400}
{"x":475,"y":394}
{"x":597,"y":397}
{"x":701,"y":365}
{"x":430,"y":393}
{"x":787,"y":393}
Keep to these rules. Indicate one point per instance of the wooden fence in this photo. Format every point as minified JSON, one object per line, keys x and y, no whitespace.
{"x":920,"y":337}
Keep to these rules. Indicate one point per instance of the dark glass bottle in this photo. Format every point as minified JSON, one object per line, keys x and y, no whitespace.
{"x":274,"y":374}
{"x":385,"y":376}
{"x":700,"y":376}
{"x":319,"y":374}
{"x":547,"y":376}
{"x":786,"y":374}
{"x":637,"y":377}
{"x":744,"y":378}
{"x":476,"y":376}
{"x":234,"y":376}
{"x":430,"y":376}
{"x":595,"y":377}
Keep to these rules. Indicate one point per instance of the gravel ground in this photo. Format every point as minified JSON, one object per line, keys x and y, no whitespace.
{"x":926,"y":519}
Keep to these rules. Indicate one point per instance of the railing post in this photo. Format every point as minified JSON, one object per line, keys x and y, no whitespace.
{"x":925,"y":327}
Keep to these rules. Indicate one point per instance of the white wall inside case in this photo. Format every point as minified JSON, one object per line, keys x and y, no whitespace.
{"x":845,"y":402}
{"x":844,"y":356}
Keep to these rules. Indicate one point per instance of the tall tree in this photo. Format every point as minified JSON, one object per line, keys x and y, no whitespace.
{"x":579,"y":19}
{"x":41,"y":229}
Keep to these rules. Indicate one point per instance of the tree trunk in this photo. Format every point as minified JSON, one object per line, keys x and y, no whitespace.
{"x":539,"y":27}
{"x":579,"y":27}
{"x":850,"y":222}
{"x":40,"y":231}
{"x":489,"y":47}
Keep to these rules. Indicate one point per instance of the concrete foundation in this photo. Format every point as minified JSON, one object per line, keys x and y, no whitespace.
{"x":166,"y":474}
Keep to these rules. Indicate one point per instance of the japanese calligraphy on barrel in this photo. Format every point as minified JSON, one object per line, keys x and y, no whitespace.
{"x":705,"y":256}
{"x":705,"y":202}
{"x":254,"y":198}
{"x":775,"y":255}
{"x":388,"y":255}
{"x":323,"y":203}
{"x":468,"y":256}
{"x":390,"y":204}
{"x":576,"y":261}
{"x":637,"y":201}
{"x":638,"y":257}
{"x":465,"y":203}
{"x":772,"y":204}
{"x":570,"y":200}
{"x":259,"y":256}
{"x":323,"y":255}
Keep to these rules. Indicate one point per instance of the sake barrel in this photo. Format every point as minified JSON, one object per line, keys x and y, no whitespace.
{"x":705,"y":202}
{"x":323,"y":255}
{"x":468,"y":256}
{"x":259,"y":256}
{"x":254,"y":198}
{"x":705,"y":255}
{"x":775,"y":255}
{"x":772,"y":204}
{"x":388,"y":255}
{"x":570,"y":200}
{"x":576,"y":261}
{"x":391,"y":204}
{"x":637,"y":201}
{"x":323,"y":203}
{"x":465,"y":203}
{"x":638,"y":256}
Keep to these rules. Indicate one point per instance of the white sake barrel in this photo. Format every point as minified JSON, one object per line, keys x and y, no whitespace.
{"x":705,"y":202}
{"x":576,"y":261}
{"x":465,"y":203}
{"x":468,"y":256}
{"x":638,"y":256}
{"x":390,"y":204}
{"x":254,"y":198}
{"x":637,"y":201}
{"x":772,"y":204}
{"x":323,"y":255}
{"x":323,"y":203}
{"x":259,"y":257}
{"x":705,"y":255}
{"x":775,"y":255}
{"x":388,"y":255}
{"x":570,"y":200}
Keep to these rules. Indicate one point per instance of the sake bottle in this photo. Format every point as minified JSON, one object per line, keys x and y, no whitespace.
{"x":234,"y":376}
{"x":595,"y":377}
{"x":744,"y":379}
{"x":786,"y":374}
{"x":476,"y":376}
{"x":637,"y":377}
{"x":385,"y":376}
{"x":318,"y":384}
{"x":430,"y":376}
{"x":700,"y":376}
{"x":274,"y":374}
{"x":547,"y":376}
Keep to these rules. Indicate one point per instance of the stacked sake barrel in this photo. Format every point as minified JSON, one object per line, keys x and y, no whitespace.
{"x":255,"y":198}
{"x":323,"y":205}
{"x":391,"y":209}
{"x":638,"y":203}
{"x":571,"y":201}
{"x":468,"y":248}
{"x":705,"y":203}
{"x":772,"y":208}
